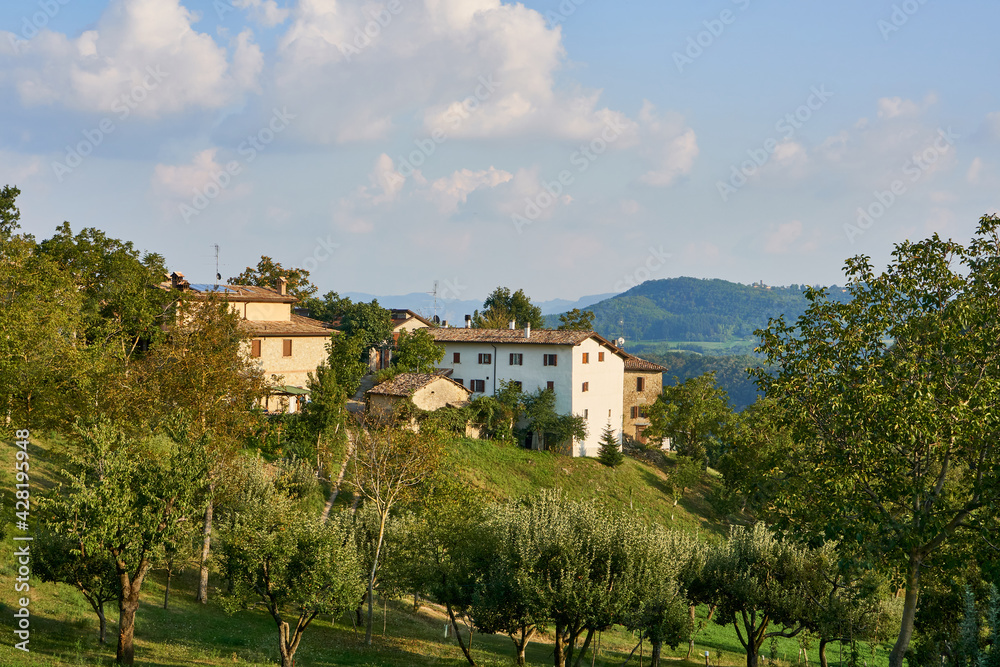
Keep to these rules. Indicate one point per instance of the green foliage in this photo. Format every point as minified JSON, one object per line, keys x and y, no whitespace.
{"x":267,"y":272}
{"x":967,"y":654}
{"x":539,"y":416}
{"x":695,"y":415}
{"x":367,"y":323}
{"x":907,"y":371}
{"x":416,"y":352}
{"x":328,"y":309}
{"x":347,"y":361}
{"x":502,"y":306}
{"x":576,"y":320}
{"x":611,"y":453}
{"x":686,"y":474}
{"x":730,"y":371}
{"x":10,"y":215}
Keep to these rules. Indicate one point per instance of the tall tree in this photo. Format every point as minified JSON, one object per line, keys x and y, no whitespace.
{"x":896,"y":390}
{"x":695,"y":416}
{"x":577,"y":320}
{"x":502,"y":306}
{"x":267,"y":272}
{"x":296,"y":565}
{"x":328,"y":309}
{"x":125,"y":499}
{"x":416,"y":352}
{"x":611,"y":452}
{"x":368,"y":323}
{"x":10,"y":215}
{"x":389,"y":464}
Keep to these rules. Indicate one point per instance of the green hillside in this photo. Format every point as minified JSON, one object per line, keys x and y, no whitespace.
{"x":692,"y":309}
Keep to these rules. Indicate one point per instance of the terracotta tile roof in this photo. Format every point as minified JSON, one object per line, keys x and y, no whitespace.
{"x":404,"y":315}
{"x":634,"y":363}
{"x":239,"y":293}
{"x":298,"y":326}
{"x":405,"y":384}
{"x":538,"y":336}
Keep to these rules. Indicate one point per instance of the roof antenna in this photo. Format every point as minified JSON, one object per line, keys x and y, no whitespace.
{"x":218,"y":276}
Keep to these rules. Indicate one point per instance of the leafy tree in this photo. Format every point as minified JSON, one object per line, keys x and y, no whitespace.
{"x":57,"y":558}
{"x":346,"y":360}
{"x":10,"y":215}
{"x":368,"y":323}
{"x":762,"y":584}
{"x":416,"y":352}
{"x":296,"y":565}
{"x":695,"y":416}
{"x":328,"y":309}
{"x":502,"y":306}
{"x":611,"y":453}
{"x":539,"y":416}
{"x":896,"y":390}
{"x":576,"y":320}
{"x":125,"y":499}
{"x":686,"y":474}
{"x":968,"y":639}
{"x":389,"y":464}
{"x":268,"y":271}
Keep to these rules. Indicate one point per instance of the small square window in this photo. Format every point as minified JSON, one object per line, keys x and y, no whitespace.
{"x":549,"y":360}
{"x":286,"y":347}
{"x":255,"y":349}
{"x":586,"y":413}
{"x":456,"y":358}
{"x":460,"y":381}
{"x":550,"y":385}
{"x":516,"y":383}
{"x":485,"y":358}
{"x":586,"y":386}
{"x":635,"y":412}
{"x":640,"y":383}
{"x":600,"y":356}
{"x":516,"y":359}
{"x":479,"y":386}
{"x":586,"y":357}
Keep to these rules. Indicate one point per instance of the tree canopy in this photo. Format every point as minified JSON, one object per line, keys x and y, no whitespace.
{"x":267,"y":272}
{"x":502,"y":306}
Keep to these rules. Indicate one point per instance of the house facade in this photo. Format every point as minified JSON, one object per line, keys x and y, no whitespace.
{"x":643,"y":384}
{"x":286,"y":346}
{"x":585,"y":371}
{"x":427,"y":391}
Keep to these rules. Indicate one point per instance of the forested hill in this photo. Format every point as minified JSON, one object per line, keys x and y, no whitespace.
{"x":693,"y":309}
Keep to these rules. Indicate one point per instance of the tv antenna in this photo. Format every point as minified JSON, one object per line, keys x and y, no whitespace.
{"x":218,"y":276}
{"x":434,"y":293}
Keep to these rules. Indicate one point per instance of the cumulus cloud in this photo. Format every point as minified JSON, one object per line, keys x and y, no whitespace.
{"x":780,"y":239}
{"x":448,"y":192}
{"x":669,"y":145}
{"x":143,"y":53}
{"x":182,"y":182}
{"x":265,"y":12}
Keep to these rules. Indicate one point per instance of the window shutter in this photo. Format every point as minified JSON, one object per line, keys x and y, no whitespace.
{"x":255,"y":348}
{"x":287,"y":347}
{"x":456,"y":358}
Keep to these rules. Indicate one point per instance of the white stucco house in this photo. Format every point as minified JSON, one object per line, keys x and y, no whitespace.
{"x":585,"y":371}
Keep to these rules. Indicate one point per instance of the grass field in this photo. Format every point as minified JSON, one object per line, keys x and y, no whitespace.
{"x":64,"y":628}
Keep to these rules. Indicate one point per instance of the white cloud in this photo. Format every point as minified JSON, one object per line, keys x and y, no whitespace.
{"x":972,"y":175}
{"x":896,"y":107}
{"x":780,"y":239}
{"x":448,"y":192}
{"x":183,"y":182}
{"x":668,"y":144}
{"x":145,"y":50}
{"x":265,"y":12}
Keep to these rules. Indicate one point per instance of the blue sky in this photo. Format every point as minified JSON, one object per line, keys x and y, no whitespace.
{"x":567,"y":147}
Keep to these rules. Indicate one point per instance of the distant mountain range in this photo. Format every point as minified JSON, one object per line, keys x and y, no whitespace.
{"x":693,"y":309}
{"x":455,"y":310}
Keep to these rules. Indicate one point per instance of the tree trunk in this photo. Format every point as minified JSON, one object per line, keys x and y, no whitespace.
{"x":822,"y":652}
{"x":560,"y":655}
{"x":654,"y":653}
{"x":166,"y":588}
{"x":458,"y":635}
{"x":909,"y":610}
{"x":103,"y":623}
{"x":128,"y":604}
{"x":691,"y":615}
{"x":340,"y":478}
{"x":583,"y":649}
{"x":521,"y":645}
{"x":753,"y":653}
{"x":206,"y":547}
{"x":371,"y":578}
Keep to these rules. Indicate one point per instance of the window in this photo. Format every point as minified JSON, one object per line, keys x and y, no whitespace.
{"x":516,"y":359}
{"x":586,"y":386}
{"x":635,"y":412}
{"x":639,"y":412}
{"x":286,"y":347}
{"x":586,"y":357}
{"x":486,"y":358}
{"x":550,"y":385}
{"x":640,"y":383}
{"x":255,"y":349}
{"x":549,"y":360}
{"x":478,"y":386}
{"x":456,"y":358}
{"x":600,"y":356}
{"x":586,"y":413}
{"x":460,"y":381}
{"x":516,"y":383}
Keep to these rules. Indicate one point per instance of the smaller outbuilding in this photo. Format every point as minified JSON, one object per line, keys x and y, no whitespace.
{"x":427,"y":391}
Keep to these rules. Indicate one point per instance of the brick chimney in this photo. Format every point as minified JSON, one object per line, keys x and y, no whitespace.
{"x":177,"y":280}
{"x":527,"y":330}
{"x":281,"y":284}
{"x":468,"y":321}
{"x":513,"y":325}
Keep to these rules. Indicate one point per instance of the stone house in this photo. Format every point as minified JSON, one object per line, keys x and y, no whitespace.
{"x":643,"y":384}
{"x":427,"y":391}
